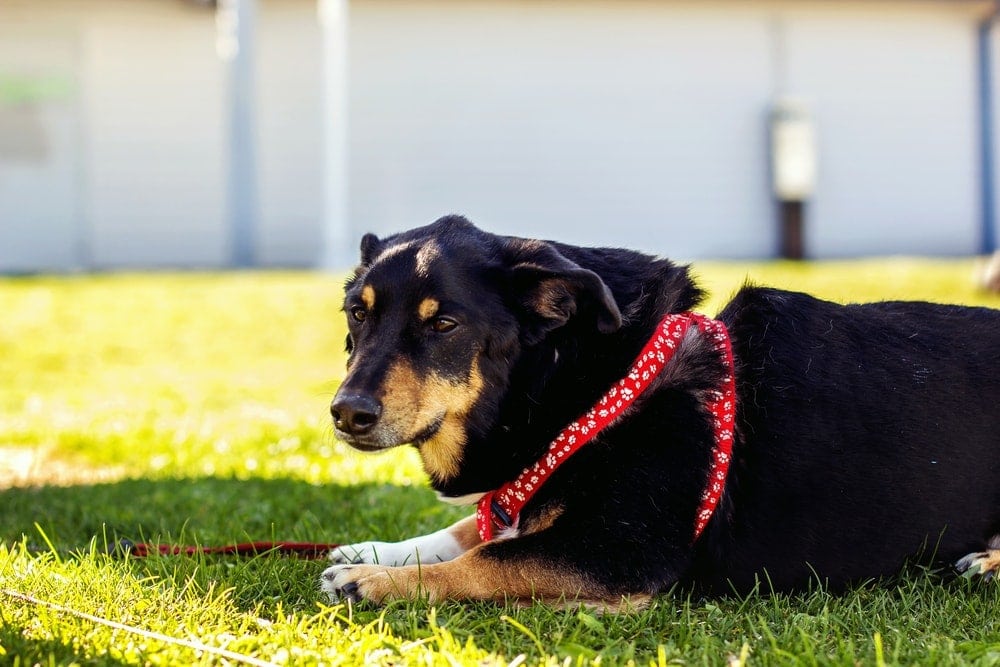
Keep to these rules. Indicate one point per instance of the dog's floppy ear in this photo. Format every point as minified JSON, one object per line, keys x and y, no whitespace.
{"x":550,"y":289}
{"x":369,"y":248}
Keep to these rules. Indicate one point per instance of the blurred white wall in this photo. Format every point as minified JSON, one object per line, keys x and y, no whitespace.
{"x":41,"y":157}
{"x":631,"y":123}
{"x":644,"y":123}
{"x":133,"y":170}
{"x":894,"y":92}
{"x":624,"y":123}
{"x":153,"y":136}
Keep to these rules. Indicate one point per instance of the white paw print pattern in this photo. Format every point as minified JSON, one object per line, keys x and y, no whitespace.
{"x":722,"y":407}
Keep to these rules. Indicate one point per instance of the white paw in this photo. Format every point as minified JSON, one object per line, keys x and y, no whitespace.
{"x":373,"y":553}
{"x":433,"y":548}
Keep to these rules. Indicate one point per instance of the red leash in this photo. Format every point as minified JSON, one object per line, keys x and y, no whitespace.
{"x":314,"y":550}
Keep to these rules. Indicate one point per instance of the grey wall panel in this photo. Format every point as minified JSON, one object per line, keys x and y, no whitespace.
{"x":636,"y":124}
{"x":290,"y":134}
{"x":41,"y":208}
{"x":893,"y":89}
{"x":156,"y":151}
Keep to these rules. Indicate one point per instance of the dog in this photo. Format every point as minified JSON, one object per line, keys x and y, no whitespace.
{"x":789,"y":441}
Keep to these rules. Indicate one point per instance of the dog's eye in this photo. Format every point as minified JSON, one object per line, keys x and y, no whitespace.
{"x":443,"y":324}
{"x":359,"y":314}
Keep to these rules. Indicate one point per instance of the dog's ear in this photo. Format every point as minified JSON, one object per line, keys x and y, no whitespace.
{"x":550,"y":289}
{"x":369,"y":248}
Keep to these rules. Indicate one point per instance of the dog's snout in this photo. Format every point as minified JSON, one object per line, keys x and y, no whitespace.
{"x":355,"y":414}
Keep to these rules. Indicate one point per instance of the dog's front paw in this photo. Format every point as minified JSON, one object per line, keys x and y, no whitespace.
{"x":355,"y":583}
{"x":371,"y":553}
{"x":434,"y":548}
{"x":354,"y":554}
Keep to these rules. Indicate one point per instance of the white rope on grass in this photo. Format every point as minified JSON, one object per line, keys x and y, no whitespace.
{"x":148,"y":634}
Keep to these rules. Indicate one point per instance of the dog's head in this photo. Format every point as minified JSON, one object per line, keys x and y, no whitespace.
{"x":438,"y":317}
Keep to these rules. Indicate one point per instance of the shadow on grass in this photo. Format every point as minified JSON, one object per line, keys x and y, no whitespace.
{"x":213,"y":512}
{"x":46,"y":651}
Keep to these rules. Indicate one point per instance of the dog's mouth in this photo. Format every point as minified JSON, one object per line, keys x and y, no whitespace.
{"x":428,"y":433}
{"x":365,"y":442}
{"x":371,"y":442}
{"x":364,"y":446}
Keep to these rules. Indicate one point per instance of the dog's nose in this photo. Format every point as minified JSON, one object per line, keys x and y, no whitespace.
{"x":355,"y":413}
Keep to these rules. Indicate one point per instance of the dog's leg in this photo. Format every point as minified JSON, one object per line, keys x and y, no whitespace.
{"x":437,"y":547}
{"x":983,"y":563}
{"x":482,"y":573}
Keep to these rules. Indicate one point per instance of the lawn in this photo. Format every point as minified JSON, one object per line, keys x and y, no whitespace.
{"x":192,"y":409}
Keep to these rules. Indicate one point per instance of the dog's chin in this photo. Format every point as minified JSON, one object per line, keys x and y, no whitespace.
{"x":365,"y":444}
{"x":367,"y":448}
{"x":377,"y":442}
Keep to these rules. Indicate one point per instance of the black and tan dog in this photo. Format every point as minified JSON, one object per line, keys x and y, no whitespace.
{"x":864,"y":434}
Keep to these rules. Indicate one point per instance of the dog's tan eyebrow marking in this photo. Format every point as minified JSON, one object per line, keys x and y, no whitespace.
{"x":427,"y":253}
{"x":428,"y":308}
{"x":368,"y":296}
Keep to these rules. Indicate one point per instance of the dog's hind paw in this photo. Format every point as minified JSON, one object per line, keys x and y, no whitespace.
{"x":985,"y":564}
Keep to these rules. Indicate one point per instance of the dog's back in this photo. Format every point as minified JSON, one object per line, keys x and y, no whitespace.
{"x":867,"y":431}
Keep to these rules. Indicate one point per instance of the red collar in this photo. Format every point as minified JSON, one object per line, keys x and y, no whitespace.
{"x":500,"y":509}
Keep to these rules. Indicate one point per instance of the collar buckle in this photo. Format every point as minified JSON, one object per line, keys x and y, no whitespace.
{"x":499,"y":517}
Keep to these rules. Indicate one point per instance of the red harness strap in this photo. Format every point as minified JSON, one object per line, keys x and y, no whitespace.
{"x":499,"y":509}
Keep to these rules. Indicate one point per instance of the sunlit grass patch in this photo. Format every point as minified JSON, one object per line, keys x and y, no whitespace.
{"x":96,"y":610}
{"x":180,"y":375}
{"x":853,"y":281}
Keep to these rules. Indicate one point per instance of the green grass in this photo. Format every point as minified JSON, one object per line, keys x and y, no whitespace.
{"x":193,"y":409}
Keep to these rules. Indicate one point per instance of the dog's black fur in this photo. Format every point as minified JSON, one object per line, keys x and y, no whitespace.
{"x":866,"y":434}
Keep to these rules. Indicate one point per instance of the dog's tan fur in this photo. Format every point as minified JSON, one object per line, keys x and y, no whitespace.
{"x":476,"y":576}
{"x":368,"y":296}
{"x":428,"y":308}
{"x":415,"y":403}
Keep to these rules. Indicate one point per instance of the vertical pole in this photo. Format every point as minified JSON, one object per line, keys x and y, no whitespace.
{"x":236,"y":21}
{"x":792,"y":216}
{"x":83,"y":250}
{"x":987,"y":167}
{"x":333,"y":18}
{"x":793,"y":171}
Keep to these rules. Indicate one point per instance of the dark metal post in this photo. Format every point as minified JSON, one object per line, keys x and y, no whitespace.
{"x":792,"y":216}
